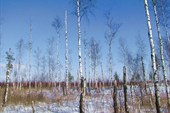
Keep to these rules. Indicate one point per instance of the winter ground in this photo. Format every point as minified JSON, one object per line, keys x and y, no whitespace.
{"x":98,"y":101}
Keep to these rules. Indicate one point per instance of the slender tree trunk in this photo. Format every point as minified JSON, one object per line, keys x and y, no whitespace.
{"x":161,"y":52}
{"x":125,"y":90}
{"x":144,"y":76}
{"x":85,"y":48}
{"x":58,"y":61}
{"x":151,"y":98}
{"x":102,"y":75}
{"x":89,"y":54}
{"x":59,"y":78}
{"x":6,"y":87}
{"x":66,"y":52}
{"x":30,"y":55}
{"x":79,"y":38}
{"x":32,"y":105}
{"x":156,"y":87}
{"x":82,"y":105}
{"x":110,"y":62}
{"x":115,"y":97}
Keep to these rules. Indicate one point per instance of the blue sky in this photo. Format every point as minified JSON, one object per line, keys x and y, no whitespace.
{"x":16,"y":15}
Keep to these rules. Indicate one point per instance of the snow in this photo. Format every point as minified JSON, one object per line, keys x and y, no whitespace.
{"x":98,"y":102}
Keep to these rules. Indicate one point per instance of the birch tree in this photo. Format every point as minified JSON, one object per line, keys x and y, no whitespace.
{"x":79,"y":39}
{"x":9,"y":67}
{"x":125,"y":55}
{"x":95,"y":58}
{"x":66,"y":52}
{"x":154,"y":68}
{"x":141,"y":48}
{"x":85,"y":49}
{"x":20,"y":48}
{"x":57,"y":25}
{"x":30,"y":55}
{"x":37,"y":54}
{"x":43,"y":65}
{"x":161,"y":51}
{"x":51,"y":65}
{"x":110,"y":36}
{"x":84,"y":8}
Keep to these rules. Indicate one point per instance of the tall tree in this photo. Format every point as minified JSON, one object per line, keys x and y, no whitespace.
{"x":51,"y":61}
{"x":58,"y":25}
{"x":161,"y":50}
{"x":79,"y":38}
{"x":84,"y":8}
{"x":85,"y":49}
{"x":66,"y":52}
{"x":37,"y":55}
{"x":43,"y":65}
{"x":30,"y":55}
{"x":9,"y":67}
{"x":95,"y":57}
{"x":154,"y":68}
{"x":126,"y":56}
{"x":112,"y":29}
{"x":20,"y":49}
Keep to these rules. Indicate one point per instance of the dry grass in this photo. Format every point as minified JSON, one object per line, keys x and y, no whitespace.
{"x":52,"y":95}
{"x":26,"y":96}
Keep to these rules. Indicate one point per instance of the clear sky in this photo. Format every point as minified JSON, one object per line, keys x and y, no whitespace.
{"x":16,"y":15}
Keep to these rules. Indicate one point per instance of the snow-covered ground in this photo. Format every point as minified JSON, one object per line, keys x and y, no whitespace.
{"x":98,"y":102}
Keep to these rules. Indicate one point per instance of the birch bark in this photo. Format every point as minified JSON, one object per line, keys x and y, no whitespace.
{"x":161,"y":51}
{"x":66,"y":51}
{"x":156,"y":87}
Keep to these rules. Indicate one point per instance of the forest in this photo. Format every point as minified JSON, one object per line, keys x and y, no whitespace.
{"x":91,"y":63}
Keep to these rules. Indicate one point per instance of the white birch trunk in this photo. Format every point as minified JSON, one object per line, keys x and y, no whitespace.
{"x":79,"y":38}
{"x":89,"y":68}
{"x":66,"y":51}
{"x":156,"y":87}
{"x":6,"y":87}
{"x":102,"y":75}
{"x":161,"y":52}
{"x":110,"y":62}
{"x":58,"y":62}
{"x":30,"y":55}
{"x":85,"y":45}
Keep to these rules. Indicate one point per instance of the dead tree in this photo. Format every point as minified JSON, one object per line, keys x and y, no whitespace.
{"x":125,"y":90}
{"x":82,"y":95}
{"x":115,"y":97}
